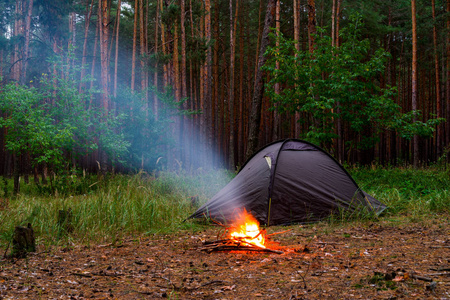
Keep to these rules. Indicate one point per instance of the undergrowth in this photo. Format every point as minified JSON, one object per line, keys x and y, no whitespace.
{"x":127,"y":205}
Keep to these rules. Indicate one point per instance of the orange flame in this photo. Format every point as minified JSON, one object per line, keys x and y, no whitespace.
{"x":246,"y":228}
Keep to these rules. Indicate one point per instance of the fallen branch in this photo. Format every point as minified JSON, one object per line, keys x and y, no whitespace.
{"x":423,"y":278}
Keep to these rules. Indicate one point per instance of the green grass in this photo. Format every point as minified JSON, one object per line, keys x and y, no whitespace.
{"x":120,"y":206}
{"x":407,"y":190}
{"x":131,"y":205}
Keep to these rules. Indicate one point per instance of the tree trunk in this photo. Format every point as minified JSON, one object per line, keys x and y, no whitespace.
{"x":104,"y":53}
{"x":414,"y":94}
{"x":143,"y":58}
{"x":296,"y":3}
{"x":155,"y":76}
{"x":116,"y":60}
{"x":277,"y":44}
{"x":255,"y":115}
{"x":207,"y":86}
{"x":311,"y":24}
{"x":26,"y":47}
{"x":104,"y":72}
{"x":447,"y":84}
{"x":438,"y":83}
{"x":133,"y":55}
{"x":231,"y":87}
{"x":86,"y":32}
{"x":184,"y":124}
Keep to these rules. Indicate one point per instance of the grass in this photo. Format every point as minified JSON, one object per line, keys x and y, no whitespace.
{"x":120,"y":206}
{"x":130,"y":205}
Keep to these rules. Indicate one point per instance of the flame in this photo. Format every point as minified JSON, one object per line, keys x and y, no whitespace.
{"x":246,"y":228}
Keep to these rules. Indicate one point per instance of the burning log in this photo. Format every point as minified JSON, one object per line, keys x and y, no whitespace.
{"x":243,"y":235}
{"x":234,"y":245}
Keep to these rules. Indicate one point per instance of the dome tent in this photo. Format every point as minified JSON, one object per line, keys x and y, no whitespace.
{"x":289,"y":181}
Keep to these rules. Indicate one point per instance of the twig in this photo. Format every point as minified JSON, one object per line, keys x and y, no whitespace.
{"x":439,"y":274}
{"x":275,"y":233}
{"x":81,"y":274}
{"x":421,"y":278}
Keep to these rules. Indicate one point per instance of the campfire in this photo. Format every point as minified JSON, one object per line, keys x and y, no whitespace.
{"x":243,"y":235}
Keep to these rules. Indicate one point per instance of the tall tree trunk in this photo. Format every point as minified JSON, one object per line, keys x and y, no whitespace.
{"x":255,"y":116}
{"x":231,"y":87}
{"x":164,"y":48}
{"x":338,"y":22}
{"x":333,"y":22}
{"x":155,"y":76}
{"x":26,"y":48}
{"x":296,"y":3}
{"x":241,"y":91}
{"x":218,"y":120}
{"x":104,"y":36}
{"x":207,"y":86}
{"x":277,"y":44}
{"x":414,"y":94}
{"x":86,"y":32}
{"x":116,"y":60}
{"x":311,"y":24}
{"x":143,"y":50}
{"x":438,"y":83}
{"x":184,"y":124}
{"x":447,"y":84}
{"x":133,"y":55}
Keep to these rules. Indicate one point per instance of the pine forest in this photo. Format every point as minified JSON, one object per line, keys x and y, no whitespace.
{"x":122,"y":86}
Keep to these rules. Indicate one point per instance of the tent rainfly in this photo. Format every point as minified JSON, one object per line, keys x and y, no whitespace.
{"x":289,"y":181}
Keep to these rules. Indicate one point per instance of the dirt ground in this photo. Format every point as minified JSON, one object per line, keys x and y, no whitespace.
{"x":382,"y":260}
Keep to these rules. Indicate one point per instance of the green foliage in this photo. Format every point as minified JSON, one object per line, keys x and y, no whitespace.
{"x":339,"y":82}
{"x":54,"y":122}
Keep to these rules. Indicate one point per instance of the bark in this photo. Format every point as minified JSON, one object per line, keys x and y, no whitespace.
{"x":414,"y":94}
{"x":277,"y":44}
{"x":133,"y":55}
{"x":97,"y":33}
{"x":333,"y":22}
{"x":155,"y":76}
{"x":297,"y":128}
{"x":116,"y":60}
{"x":26,"y":48}
{"x":255,"y":116}
{"x":183,"y":132}
{"x":207,"y":87}
{"x":438,"y":83}
{"x":241,"y":91}
{"x":86,"y":32}
{"x":311,"y":24}
{"x":231,"y":160}
{"x":104,"y":36}
{"x":143,"y":58}
{"x":338,"y":19}
{"x":447,"y":84}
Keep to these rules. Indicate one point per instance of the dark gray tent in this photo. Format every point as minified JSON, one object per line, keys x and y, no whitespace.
{"x":289,"y":181}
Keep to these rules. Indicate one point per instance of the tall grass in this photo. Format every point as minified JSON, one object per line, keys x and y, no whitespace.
{"x":122,"y":205}
{"x":407,"y":190}
{"x":129,"y":205}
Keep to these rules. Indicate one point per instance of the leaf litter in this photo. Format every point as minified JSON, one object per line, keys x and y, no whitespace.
{"x":349,"y":261}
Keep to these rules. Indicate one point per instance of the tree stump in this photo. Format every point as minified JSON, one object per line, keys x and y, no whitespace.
{"x":65,"y":221}
{"x":23,"y":241}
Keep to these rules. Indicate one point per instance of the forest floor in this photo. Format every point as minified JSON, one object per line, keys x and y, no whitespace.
{"x":388,"y":259}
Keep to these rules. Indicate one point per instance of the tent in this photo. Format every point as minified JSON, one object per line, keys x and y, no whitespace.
{"x":289,"y":181}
